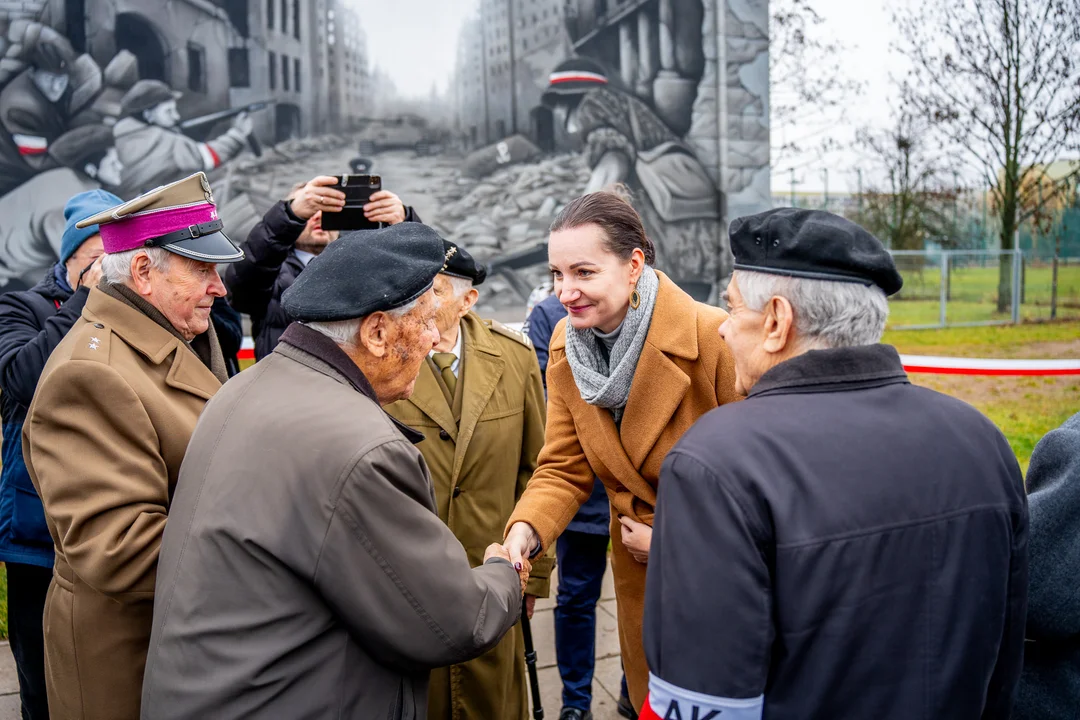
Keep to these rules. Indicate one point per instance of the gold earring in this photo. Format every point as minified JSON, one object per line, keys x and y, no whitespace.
{"x":635,"y":299}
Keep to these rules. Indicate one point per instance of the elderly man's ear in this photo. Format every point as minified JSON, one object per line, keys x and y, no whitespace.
{"x":375,"y":334}
{"x":470,"y":299}
{"x":779,"y":319}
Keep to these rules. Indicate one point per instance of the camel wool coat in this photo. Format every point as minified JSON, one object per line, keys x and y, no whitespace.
{"x":103,"y":441}
{"x":480,"y":466}
{"x":685,"y":370}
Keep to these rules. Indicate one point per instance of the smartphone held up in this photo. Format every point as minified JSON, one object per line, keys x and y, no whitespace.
{"x":358,"y":190}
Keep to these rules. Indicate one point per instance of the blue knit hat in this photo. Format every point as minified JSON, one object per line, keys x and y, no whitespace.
{"x":80,"y":207}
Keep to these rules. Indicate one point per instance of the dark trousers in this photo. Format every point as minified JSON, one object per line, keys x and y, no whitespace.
{"x":582,"y":559}
{"x":27,"y":587}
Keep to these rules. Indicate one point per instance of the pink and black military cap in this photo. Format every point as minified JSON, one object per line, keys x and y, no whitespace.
{"x":180,"y":217}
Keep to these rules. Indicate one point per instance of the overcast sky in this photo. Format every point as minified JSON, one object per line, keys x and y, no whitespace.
{"x":415,"y":42}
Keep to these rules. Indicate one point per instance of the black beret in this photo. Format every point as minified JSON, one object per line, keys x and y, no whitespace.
{"x":812,"y":244}
{"x":366,"y":271}
{"x":461,"y":263}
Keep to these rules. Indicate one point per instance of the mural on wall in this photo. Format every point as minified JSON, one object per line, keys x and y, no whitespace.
{"x":547,"y":99}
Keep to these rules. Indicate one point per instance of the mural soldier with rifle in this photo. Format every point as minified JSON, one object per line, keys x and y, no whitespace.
{"x":152,"y":147}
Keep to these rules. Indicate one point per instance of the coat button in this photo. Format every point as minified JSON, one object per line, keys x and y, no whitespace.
{"x":457,"y":491}
{"x":443,"y":435}
{"x":99,"y":326}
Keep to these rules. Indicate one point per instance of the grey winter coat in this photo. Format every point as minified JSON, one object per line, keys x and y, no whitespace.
{"x":1050,"y":683}
{"x":304,"y":572}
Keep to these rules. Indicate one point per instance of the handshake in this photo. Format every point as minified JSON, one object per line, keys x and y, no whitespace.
{"x":523,"y":567}
{"x":516,"y":549}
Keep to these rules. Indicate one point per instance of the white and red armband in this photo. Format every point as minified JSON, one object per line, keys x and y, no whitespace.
{"x":669,"y":702}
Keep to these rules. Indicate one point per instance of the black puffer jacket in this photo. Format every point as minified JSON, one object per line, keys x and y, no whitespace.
{"x":270,"y":266}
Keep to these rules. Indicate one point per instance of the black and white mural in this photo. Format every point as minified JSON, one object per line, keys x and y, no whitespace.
{"x":540,"y":101}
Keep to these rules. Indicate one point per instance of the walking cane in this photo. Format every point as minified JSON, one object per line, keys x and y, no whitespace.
{"x":530,"y":663}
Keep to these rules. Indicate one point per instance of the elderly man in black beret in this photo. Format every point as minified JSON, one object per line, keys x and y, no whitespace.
{"x":479,"y":401}
{"x":842,"y":543}
{"x":305,"y":571}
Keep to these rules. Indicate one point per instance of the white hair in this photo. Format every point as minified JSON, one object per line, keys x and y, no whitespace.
{"x":828,"y":313}
{"x":116,"y":267}
{"x":344,"y":332}
{"x":460,"y":285}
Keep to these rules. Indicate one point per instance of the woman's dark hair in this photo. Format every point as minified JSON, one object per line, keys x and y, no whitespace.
{"x":611,"y":211}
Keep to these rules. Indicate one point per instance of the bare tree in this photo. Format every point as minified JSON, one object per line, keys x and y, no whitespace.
{"x":809,"y":87}
{"x":1001,"y":81}
{"x":910,"y":198}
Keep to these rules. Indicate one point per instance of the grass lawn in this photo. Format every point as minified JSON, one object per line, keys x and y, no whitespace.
{"x":973,"y":295}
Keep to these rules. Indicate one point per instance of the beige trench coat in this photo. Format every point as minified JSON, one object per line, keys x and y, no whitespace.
{"x":103,"y":442}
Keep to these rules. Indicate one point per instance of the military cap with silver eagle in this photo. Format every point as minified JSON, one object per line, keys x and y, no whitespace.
{"x":180,"y":217}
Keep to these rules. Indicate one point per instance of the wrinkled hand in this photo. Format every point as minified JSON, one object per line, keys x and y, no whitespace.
{"x":244,"y":124}
{"x":636,"y":538}
{"x":318,"y":195}
{"x":498,"y":551}
{"x":92,"y":276}
{"x":386,"y":207}
{"x":530,"y":606}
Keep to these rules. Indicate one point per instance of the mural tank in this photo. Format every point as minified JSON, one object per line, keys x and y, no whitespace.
{"x":546,"y":100}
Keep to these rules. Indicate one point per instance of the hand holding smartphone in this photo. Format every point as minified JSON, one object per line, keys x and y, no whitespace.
{"x":358,"y":190}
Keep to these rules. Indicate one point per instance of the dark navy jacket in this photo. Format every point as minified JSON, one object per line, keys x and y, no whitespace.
{"x":31,"y":326}
{"x":594,"y":517}
{"x":841,"y":544}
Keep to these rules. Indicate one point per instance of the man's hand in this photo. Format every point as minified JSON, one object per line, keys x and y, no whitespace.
{"x":386,"y":207}
{"x":92,"y":275}
{"x":244,"y":124}
{"x":318,"y":195}
{"x":636,"y":538}
{"x":498,"y":551}
{"x":530,"y":606}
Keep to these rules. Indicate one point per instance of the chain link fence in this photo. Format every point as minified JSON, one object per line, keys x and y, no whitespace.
{"x":956,"y":288}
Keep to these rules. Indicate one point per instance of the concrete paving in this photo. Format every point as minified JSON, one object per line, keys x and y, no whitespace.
{"x":605,"y":684}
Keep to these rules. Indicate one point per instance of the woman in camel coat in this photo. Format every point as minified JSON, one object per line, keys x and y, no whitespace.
{"x":635,"y":363}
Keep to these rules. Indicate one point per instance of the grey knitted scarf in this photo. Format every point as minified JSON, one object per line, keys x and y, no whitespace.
{"x":603,"y":383}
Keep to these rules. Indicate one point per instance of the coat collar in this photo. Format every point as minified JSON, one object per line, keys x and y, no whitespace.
{"x":323,"y":348}
{"x":838,"y":369}
{"x":152,"y":341}
{"x":672,"y":334}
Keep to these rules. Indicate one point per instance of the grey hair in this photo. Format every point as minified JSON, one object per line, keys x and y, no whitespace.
{"x":461,"y":285}
{"x":828,"y":313}
{"x":344,"y":332}
{"x":116,"y":267}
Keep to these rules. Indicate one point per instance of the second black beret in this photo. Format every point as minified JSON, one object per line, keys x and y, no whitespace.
{"x":366,"y":271}
{"x":461,"y":263}
{"x":812,"y":244}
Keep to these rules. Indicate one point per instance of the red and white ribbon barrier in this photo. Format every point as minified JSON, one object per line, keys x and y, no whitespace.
{"x":915,"y":364}
{"x":986,"y":366}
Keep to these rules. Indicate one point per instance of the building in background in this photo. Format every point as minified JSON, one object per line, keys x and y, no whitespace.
{"x":278,"y":66}
{"x":347,"y":67}
{"x":505,"y":56}
{"x":468,"y":86}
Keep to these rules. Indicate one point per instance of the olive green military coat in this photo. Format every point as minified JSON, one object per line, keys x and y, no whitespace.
{"x":480,"y":463}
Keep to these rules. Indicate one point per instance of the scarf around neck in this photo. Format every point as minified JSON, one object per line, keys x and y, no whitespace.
{"x":605,"y":382}
{"x":205,"y":346}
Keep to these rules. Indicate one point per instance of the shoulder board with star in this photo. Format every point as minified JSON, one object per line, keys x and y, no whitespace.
{"x":498,"y":327}
{"x":91,"y":342}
